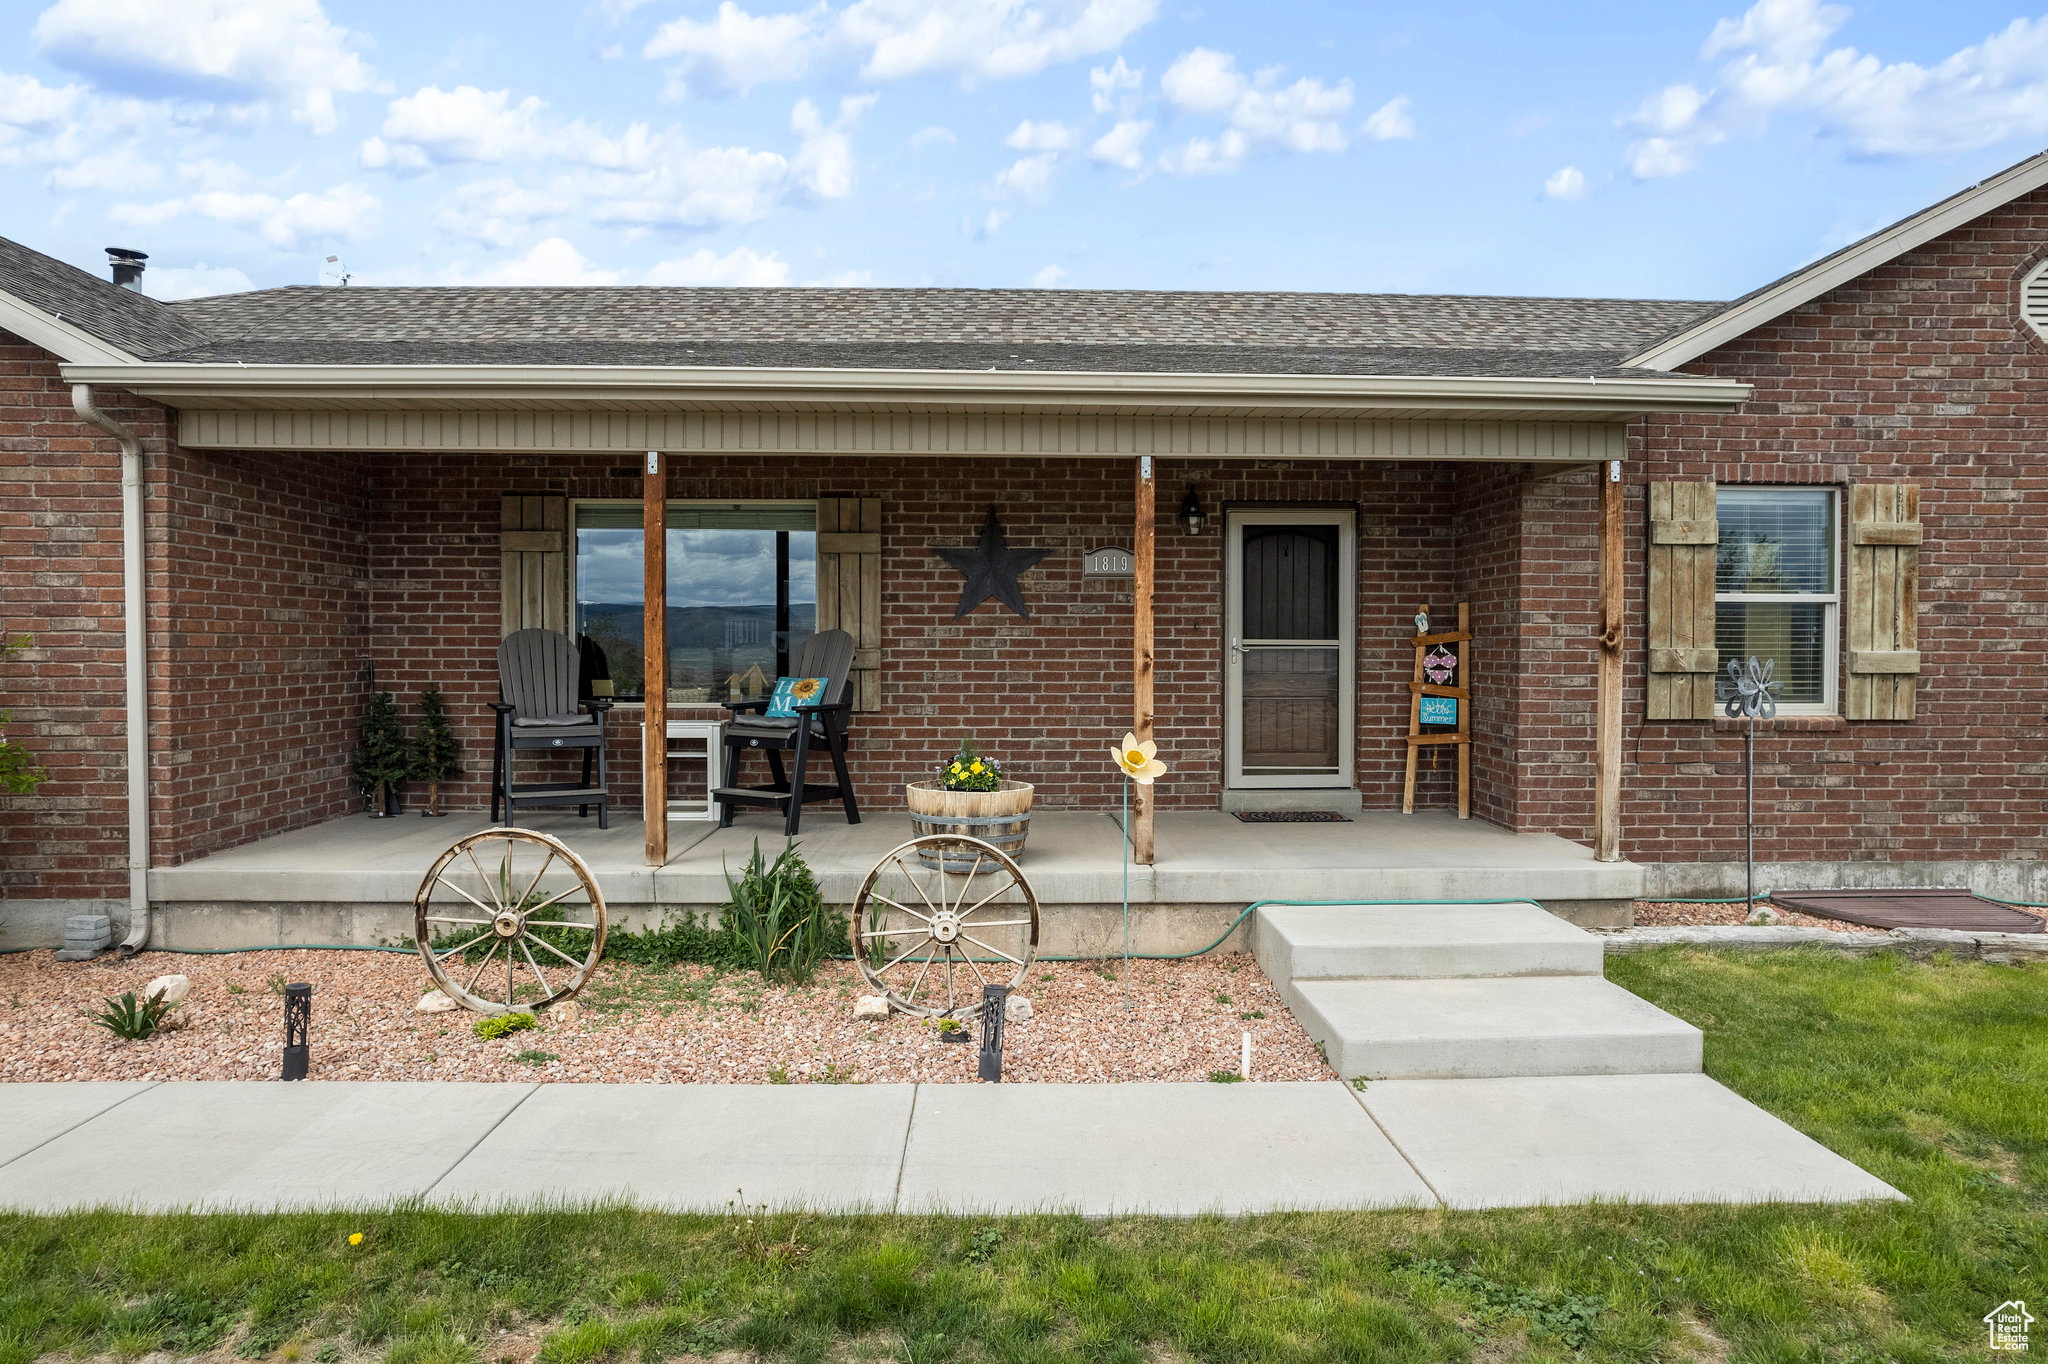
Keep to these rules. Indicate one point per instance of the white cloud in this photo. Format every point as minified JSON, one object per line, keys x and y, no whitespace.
{"x":1123,"y":145}
{"x":737,"y":51}
{"x":241,"y":52}
{"x":497,"y":211}
{"x":1049,"y":136}
{"x":976,"y":40}
{"x":551,"y":261}
{"x":1775,"y":60}
{"x":1048,"y":278}
{"x":1203,"y":81}
{"x":824,"y":161}
{"x":1658,"y":158}
{"x":637,"y":177}
{"x":1568,"y":182}
{"x":1391,"y":120}
{"x":120,"y":169}
{"x":934,"y":136}
{"x":1111,"y":89}
{"x":739,"y":266}
{"x":1028,"y":177}
{"x":1260,"y":112}
{"x":344,"y":212}
{"x":986,"y":226}
{"x":174,"y":282}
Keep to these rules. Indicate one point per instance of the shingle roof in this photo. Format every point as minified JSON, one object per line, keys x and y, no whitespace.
{"x":1006,"y":329}
{"x":141,"y":326}
{"x":1111,"y":330}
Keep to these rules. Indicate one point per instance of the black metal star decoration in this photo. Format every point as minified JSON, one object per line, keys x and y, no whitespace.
{"x":991,"y":569}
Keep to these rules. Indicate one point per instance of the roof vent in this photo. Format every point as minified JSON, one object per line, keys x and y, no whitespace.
{"x":2034,"y":299}
{"x":127,"y":267}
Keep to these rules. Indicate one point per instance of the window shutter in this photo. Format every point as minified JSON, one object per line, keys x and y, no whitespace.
{"x":1884,"y":600}
{"x":531,"y":543}
{"x":850,"y":587}
{"x":1683,"y":659}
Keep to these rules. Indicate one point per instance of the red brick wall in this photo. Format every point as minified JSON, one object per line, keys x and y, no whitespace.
{"x":1048,"y":695}
{"x":60,"y":581}
{"x":1920,"y":372}
{"x":264,"y":660}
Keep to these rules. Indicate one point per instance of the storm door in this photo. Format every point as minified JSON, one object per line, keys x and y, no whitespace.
{"x":1290,"y":586}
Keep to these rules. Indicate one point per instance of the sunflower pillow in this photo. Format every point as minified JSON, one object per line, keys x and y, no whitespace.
{"x":791,"y":692}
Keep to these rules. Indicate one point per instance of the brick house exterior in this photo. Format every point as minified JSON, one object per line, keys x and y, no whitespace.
{"x":280,"y":581}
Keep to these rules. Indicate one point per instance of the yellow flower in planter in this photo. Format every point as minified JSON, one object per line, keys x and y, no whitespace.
{"x":975,"y":768}
{"x":1137,"y":760}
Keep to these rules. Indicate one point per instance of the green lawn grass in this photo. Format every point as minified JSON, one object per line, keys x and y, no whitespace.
{"x":1934,"y":1077}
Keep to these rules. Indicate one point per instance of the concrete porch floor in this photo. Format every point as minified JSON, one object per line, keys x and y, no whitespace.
{"x":352,"y":879}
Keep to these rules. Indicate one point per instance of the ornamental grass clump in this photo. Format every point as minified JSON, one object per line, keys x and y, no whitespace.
{"x":971,"y":770}
{"x":776,"y":915}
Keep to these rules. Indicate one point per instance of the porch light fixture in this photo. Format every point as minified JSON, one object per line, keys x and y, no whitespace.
{"x":1191,"y":514}
{"x":298,"y":1022}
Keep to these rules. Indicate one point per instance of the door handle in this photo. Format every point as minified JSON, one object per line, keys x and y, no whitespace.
{"x":1236,"y":649}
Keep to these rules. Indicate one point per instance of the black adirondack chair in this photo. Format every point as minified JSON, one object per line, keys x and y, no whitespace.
{"x":827,"y":654}
{"x":537,"y":709}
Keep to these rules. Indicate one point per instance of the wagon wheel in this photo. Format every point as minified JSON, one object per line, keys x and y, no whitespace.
{"x":929,"y":939}
{"x":509,"y":920}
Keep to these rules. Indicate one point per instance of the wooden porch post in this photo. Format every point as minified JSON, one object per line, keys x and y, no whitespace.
{"x":1141,"y":651}
{"x":1607,"y":707}
{"x":654,"y":651}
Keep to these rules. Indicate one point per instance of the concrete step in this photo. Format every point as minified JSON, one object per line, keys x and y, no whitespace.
{"x":1319,"y":942}
{"x":1490,"y":1026}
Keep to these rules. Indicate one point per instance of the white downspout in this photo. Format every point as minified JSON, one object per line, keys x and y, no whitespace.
{"x":134,"y":663}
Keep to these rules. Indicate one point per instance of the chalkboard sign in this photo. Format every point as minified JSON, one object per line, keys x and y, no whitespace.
{"x":1108,"y":562}
{"x":1439,"y":710}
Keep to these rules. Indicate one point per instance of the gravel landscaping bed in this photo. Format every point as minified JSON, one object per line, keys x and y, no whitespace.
{"x":641,"y":1024}
{"x":1666,"y":914}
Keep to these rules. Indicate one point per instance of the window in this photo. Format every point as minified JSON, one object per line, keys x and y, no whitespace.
{"x":742,"y":593}
{"x":1777,"y":590}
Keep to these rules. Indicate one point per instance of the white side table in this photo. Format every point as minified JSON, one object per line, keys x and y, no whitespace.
{"x":695,"y":739}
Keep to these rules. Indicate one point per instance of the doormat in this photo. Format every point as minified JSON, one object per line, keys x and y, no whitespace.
{"x":1292,"y":817}
{"x":1957,"y":909}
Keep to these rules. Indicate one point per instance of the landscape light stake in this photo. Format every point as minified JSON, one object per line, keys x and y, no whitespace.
{"x":298,"y":1022}
{"x":1754,"y":696}
{"x":993,"y":998}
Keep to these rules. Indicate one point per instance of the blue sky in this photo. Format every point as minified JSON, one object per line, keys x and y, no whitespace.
{"x":1658,"y":150}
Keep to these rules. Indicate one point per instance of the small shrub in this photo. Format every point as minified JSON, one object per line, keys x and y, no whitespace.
{"x":1225,"y":1077}
{"x":130,"y":1019}
{"x":502,"y":1025}
{"x":533,"y":1056}
{"x":777,"y":914}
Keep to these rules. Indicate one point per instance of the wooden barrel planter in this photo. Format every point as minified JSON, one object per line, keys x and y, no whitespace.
{"x":999,"y":818}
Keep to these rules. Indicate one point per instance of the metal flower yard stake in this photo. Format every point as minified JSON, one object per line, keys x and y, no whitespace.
{"x":1754,"y":696}
{"x":1140,"y":763}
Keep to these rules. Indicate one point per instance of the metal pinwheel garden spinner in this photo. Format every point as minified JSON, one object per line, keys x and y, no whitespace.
{"x":509,"y":920}
{"x":932,"y":940}
{"x":1753,"y":695}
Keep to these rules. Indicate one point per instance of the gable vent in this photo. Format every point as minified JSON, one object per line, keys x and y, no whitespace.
{"x":2034,"y":299}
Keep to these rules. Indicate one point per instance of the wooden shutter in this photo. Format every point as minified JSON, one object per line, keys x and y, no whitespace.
{"x":532,"y":545}
{"x":850,"y":587}
{"x":1683,"y":659}
{"x":1884,"y":599}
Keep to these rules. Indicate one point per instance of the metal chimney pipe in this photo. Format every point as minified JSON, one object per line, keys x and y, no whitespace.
{"x":127,"y":266}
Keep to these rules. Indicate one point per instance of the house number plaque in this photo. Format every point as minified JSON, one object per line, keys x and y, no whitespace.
{"x":1108,"y":562}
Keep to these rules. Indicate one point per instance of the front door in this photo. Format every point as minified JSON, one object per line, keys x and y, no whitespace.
{"x":1290,"y":594}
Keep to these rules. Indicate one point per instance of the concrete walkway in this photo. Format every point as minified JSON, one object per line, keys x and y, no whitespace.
{"x":1175,"y":1149}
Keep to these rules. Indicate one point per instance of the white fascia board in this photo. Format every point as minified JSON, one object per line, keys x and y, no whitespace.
{"x":73,"y":345}
{"x":1831,"y":272}
{"x":359,"y":385}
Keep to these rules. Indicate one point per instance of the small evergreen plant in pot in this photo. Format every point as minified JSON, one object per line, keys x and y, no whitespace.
{"x":435,"y":754}
{"x":381,"y":759}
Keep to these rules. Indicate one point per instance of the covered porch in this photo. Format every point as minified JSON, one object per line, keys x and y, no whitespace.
{"x":351,"y":880}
